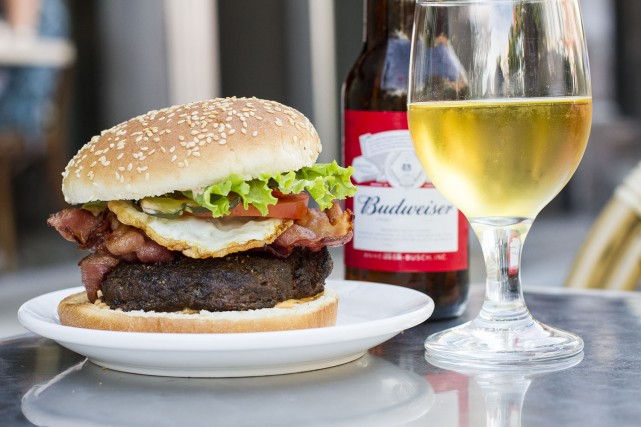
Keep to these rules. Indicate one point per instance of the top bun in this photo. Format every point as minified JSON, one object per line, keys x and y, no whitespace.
{"x":190,"y":146}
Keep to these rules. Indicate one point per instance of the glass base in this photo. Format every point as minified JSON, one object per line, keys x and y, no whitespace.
{"x":478,"y":344}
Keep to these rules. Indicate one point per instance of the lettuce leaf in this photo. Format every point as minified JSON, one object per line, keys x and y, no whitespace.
{"x":324,"y":183}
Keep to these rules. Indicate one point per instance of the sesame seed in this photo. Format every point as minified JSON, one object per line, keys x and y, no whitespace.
{"x":173,"y":158}
{"x":255,"y":133}
{"x":172,"y":149}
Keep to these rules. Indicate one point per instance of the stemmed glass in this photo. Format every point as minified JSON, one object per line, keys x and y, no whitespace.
{"x":499,"y":111}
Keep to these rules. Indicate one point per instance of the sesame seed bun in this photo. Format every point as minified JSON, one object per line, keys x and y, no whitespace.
{"x":321,"y":311}
{"x":190,"y":146}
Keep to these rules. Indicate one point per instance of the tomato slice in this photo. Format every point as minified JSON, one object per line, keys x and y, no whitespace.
{"x":290,"y":206}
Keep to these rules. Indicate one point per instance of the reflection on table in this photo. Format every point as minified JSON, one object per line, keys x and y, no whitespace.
{"x":369,"y":390}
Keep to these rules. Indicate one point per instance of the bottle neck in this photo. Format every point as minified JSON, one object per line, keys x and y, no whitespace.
{"x":386,"y":19}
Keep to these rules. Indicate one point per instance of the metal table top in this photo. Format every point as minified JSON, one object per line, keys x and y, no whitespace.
{"x":44,"y":384}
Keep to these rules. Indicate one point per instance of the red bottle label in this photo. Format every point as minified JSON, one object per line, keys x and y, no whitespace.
{"x":401,"y":222}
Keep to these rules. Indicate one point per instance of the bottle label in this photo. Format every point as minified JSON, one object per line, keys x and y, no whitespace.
{"x":401,"y":222}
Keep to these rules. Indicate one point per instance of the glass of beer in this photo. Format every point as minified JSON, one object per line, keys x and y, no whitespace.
{"x":500,"y":110}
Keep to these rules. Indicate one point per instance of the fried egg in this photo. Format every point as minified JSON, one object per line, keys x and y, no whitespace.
{"x":202,"y":237}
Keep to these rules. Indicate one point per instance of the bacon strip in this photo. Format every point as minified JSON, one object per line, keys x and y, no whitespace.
{"x":81,"y":226}
{"x":109,"y":239}
{"x":93,"y":269}
{"x":331,"y":227}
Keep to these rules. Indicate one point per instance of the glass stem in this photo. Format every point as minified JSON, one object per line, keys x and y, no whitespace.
{"x":503,"y":400}
{"x":502,"y":242}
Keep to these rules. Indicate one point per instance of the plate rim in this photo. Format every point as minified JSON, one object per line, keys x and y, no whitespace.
{"x":421,"y":310}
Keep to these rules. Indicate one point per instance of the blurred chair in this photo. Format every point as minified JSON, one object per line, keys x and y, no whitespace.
{"x":610,"y":257}
{"x":14,"y":156}
{"x":9,"y":150}
{"x":36,"y":58}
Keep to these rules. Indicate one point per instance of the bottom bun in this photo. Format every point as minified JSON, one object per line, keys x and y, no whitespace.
{"x":316,"y":312}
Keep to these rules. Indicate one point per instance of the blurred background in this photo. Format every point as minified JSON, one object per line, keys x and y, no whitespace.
{"x":71,"y":68}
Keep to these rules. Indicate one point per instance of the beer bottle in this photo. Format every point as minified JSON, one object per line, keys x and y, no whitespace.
{"x":405,"y":232}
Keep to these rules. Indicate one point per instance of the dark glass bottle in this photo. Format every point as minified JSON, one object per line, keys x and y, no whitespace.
{"x":392,"y":243}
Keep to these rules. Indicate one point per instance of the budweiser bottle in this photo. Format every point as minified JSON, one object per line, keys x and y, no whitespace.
{"x":405,"y":232}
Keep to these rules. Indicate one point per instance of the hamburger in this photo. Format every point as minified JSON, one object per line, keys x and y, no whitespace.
{"x":199,"y":218}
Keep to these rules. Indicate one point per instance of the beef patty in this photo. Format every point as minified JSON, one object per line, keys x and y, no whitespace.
{"x":241,"y":281}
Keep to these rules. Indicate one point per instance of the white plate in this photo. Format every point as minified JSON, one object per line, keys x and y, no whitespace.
{"x":368,"y":314}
